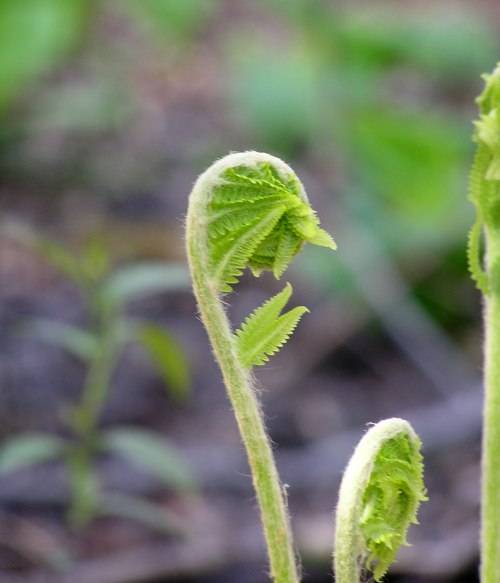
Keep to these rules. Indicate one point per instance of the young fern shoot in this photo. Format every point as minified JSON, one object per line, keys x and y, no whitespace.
{"x":485,"y":194}
{"x":250,"y":210}
{"x":381,"y":490}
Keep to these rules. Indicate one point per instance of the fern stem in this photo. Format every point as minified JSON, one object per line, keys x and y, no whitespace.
{"x":241,"y":390}
{"x":490,"y":513}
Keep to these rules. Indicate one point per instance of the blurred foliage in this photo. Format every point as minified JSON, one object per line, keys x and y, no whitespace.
{"x":278,"y":95}
{"x":176,"y":21}
{"x":35,"y":36}
{"x":106,"y":291}
{"x":29,"y":449}
{"x":146,"y":450}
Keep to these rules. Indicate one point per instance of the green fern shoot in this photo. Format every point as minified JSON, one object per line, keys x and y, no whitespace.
{"x":249,"y":210}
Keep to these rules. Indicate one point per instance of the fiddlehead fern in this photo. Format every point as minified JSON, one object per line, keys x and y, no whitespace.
{"x":250,"y":210}
{"x":256,"y":215}
{"x":381,"y":490}
{"x":485,"y":194}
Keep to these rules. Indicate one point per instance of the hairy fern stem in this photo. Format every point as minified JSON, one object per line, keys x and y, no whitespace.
{"x":484,"y":192}
{"x":490,"y":512}
{"x":242,"y":394}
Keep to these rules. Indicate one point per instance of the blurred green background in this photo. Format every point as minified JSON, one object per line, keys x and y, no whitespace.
{"x":110,"y":109}
{"x":124,"y":102}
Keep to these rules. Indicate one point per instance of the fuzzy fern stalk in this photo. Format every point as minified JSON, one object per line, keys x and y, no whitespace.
{"x":380,"y":492}
{"x":485,"y":194}
{"x":250,"y":210}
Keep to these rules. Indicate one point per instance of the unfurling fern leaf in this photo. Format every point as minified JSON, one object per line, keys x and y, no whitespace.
{"x":249,"y":210}
{"x":379,"y":496}
{"x":264,"y":332}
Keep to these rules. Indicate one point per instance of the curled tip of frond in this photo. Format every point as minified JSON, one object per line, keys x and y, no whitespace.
{"x":257,"y":215}
{"x":484,"y":182}
{"x":490,"y":97}
{"x":487,"y":128}
{"x":380,"y":493}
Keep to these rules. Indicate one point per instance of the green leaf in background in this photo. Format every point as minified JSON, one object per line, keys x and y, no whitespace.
{"x":412,"y":160}
{"x":134,"y":281}
{"x":83,"y":107}
{"x":135,"y":508}
{"x":168,"y":358}
{"x":149,"y":451}
{"x":35,"y":35}
{"x":454,"y":46}
{"x":95,"y":261}
{"x":172,"y":19}
{"x":52,"y":252}
{"x":278,"y":93}
{"x":438,"y":39}
{"x":79,"y":342}
{"x":28,"y":450}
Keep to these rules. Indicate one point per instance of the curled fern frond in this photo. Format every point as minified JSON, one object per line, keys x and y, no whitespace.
{"x":249,"y":210}
{"x":380,"y":493}
{"x":255,"y":214}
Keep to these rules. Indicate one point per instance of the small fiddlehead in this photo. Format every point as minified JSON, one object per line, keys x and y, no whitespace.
{"x":485,"y":194}
{"x":249,"y":210}
{"x":381,"y":490}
